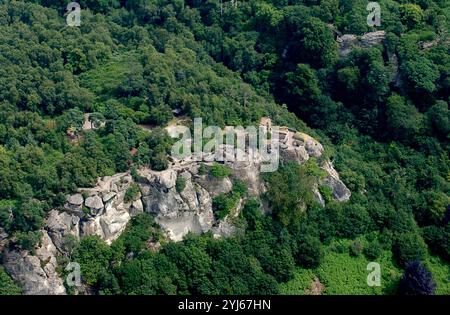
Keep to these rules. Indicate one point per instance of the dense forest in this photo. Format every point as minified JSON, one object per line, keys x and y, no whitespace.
{"x":384,"y":121}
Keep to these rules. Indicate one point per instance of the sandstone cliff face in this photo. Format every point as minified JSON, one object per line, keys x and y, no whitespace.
{"x":36,"y":274}
{"x":103,"y":211}
{"x":177,"y":212}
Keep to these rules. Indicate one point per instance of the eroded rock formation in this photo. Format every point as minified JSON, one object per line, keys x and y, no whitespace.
{"x":348,"y":41}
{"x":36,"y":274}
{"x":104,"y":210}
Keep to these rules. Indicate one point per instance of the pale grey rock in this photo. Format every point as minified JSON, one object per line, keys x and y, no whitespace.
{"x":36,"y":274}
{"x":225,"y":228}
{"x":205,"y":213}
{"x":249,"y":173}
{"x":215,"y":186}
{"x":372,"y":38}
{"x":75,"y":200}
{"x":189,"y":193}
{"x":92,"y":227}
{"x":94,"y":202}
{"x":3,"y":239}
{"x":60,"y":225}
{"x":340,"y":191}
{"x":107,"y":196}
{"x":178,"y":227}
{"x":318,"y":196}
{"x":136,"y":207}
{"x":177,"y":212}
{"x":347,"y":42}
{"x":113,"y":223}
{"x":314,"y":148}
{"x":165,"y":179}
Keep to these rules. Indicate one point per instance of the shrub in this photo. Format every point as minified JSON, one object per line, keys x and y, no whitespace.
{"x":180,"y":183}
{"x":7,"y":285}
{"x":219,"y":170}
{"x":373,"y":250}
{"x":132,"y":193}
{"x":93,"y":255}
{"x":310,"y":252}
{"x":239,"y":187}
{"x":356,"y":248}
{"x":409,"y":247}
{"x":223,"y":204}
{"x":326,"y":193}
{"x":202,"y":170}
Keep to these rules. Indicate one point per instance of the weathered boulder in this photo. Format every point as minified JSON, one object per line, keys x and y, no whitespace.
{"x":75,"y":200}
{"x":60,"y":225}
{"x":249,"y":173}
{"x":318,"y":196}
{"x":189,"y":210}
{"x":109,"y":212}
{"x":113,"y":222}
{"x":340,"y":191}
{"x":165,"y":179}
{"x":107,"y":196}
{"x":74,"y":204}
{"x":215,"y":186}
{"x":36,"y":274}
{"x":92,"y":227}
{"x":136,"y":207}
{"x":94,"y":203}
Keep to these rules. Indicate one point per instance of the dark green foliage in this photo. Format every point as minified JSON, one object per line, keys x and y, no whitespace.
{"x":438,"y":239}
{"x":141,"y":230}
{"x":416,"y":280}
{"x":7,"y":285}
{"x":252,"y":214}
{"x":289,"y":192}
{"x":219,"y":170}
{"x":180,"y":183}
{"x":373,"y":250}
{"x":409,"y":247}
{"x":134,"y":62}
{"x":326,"y":193}
{"x":93,"y":255}
{"x":224,"y":203}
{"x":132,"y":193}
{"x":309,"y":252}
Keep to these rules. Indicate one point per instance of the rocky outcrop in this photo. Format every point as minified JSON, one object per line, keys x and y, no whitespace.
{"x":104,"y":211}
{"x":340,"y":191}
{"x":3,"y":239}
{"x":60,"y":226}
{"x":108,"y":212}
{"x":36,"y":274}
{"x":348,"y":41}
{"x":189,"y":210}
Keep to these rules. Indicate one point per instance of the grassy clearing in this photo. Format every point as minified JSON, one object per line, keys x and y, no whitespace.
{"x":342,"y":273}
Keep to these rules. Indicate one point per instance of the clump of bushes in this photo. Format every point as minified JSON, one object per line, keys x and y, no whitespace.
{"x":219,"y":170}
{"x":132,"y":193}
{"x":326,"y":193}
{"x":180,"y":183}
{"x":224,"y":203}
{"x":356,"y":248}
